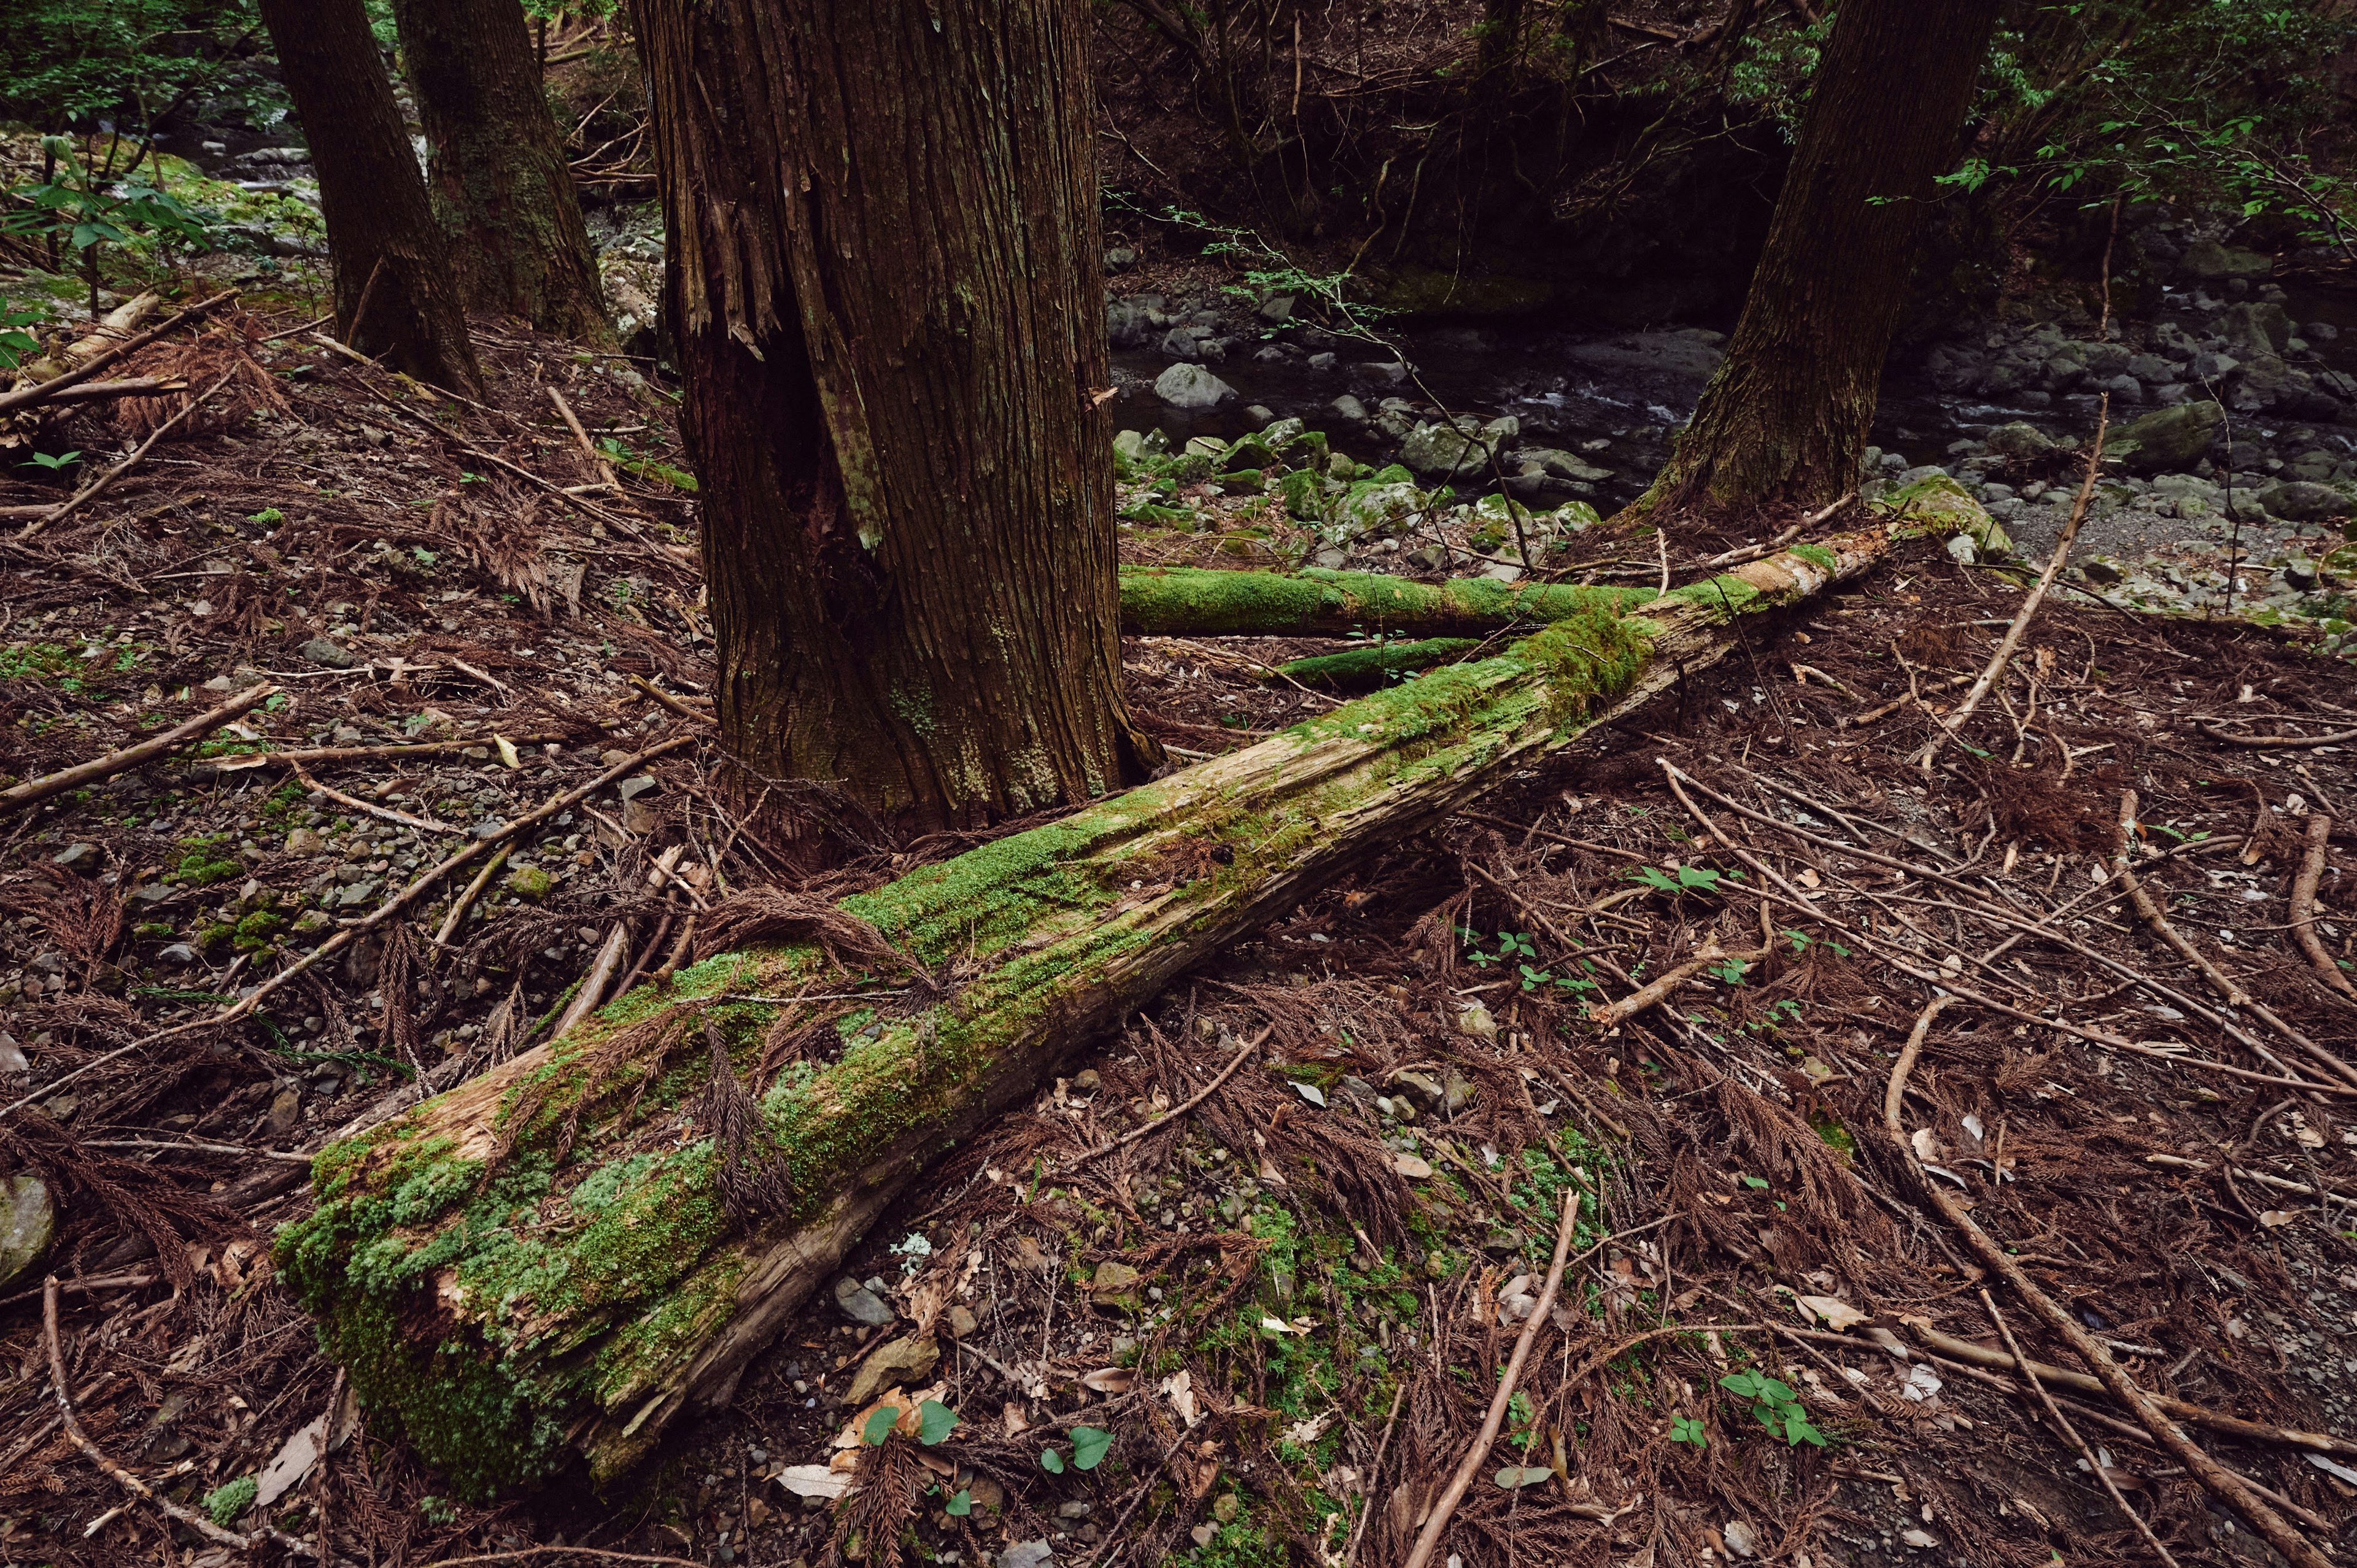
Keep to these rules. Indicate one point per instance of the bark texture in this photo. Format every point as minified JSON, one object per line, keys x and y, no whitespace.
{"x":1785,"y":419}
{"x":514,"y":1293}
{"x":498,"y":178}
{"x":380,"y":224}
{"x":890,"y":313}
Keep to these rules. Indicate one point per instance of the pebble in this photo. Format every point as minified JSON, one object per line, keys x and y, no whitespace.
{"x":861,"y":1304}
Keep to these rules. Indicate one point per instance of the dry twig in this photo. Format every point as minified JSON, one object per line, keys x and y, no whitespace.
{"x":130,"y":756}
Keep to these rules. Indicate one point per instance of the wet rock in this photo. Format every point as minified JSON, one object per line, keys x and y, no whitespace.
{"x":2303,"y":501}
{"x":1277,"y":308}
{"x":861,"y":1304}
{"x":329,"y":654}
{"x":29,"y":1218}
{"x":1191,"y":386}
{"x":1381,"y":372}
{"x":82,"y":859}
{"x":895,"y":1361}
{"x":1445,"y":451}
{"x":2167,"y":438}
{"x":1347,"y":407}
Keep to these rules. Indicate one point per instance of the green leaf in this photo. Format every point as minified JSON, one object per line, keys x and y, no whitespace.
{"x":880,"y":1426}
{"x":935,"y":1420}
{"x":1089,"y":1445}
{"x":960,"y":1504}
{"x":1052,"y":1462}
{"x":1686,"y":1429}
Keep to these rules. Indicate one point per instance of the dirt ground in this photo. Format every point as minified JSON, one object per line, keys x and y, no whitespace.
{"x":1266,"y":1330}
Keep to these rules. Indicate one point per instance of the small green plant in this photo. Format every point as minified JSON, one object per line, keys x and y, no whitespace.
{"x":1801,"y":942}
{"x":74,"y":204}
{"x":1730,"y":971}
{"x":439,"y":1511}
{"x":1684,"y":879}
{"x":1089,"y":1445}
{"x":1689,"y":1429}
{"x":62,"y":460}
{"x":959,"y":1504}
{"x":1774,"y":1406}
{"x":225,"y":1503}
{"x":268,"y":517}
{"x":15,"y":344}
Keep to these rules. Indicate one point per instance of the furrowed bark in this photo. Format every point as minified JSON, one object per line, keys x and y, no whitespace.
{"x":513,"y":1313}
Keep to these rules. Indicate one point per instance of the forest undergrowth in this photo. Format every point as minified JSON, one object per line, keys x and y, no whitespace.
{"x":1236,"y":1287}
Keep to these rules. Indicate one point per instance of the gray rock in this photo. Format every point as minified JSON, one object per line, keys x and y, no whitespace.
{"x":80,"y":858}
{"x":179,"y":955}
{"x":1324,"y":359}
{"x":1350,"y":408}
{"x":2167,"y":438}
{"x":1129,"y":323}
{"x":1028,"y":1554}
{"x":1277,"y":308}
{"x":2209,"y":259}
{"x":2018,"y":440}
{"x":333,"y":655}
{"x":14,"y":1063}
{"x":1120,"y":258}
{"x":2150,"y":369}
{"x":2124,"y":388}
{"x":1181,"y":342}
{"x":1445,"y":450}
{"x":638,"y":784}
{"x":2253,"y":328}
{"x":1381,"y":372}
{"x":1562,"y":465}
{"x":1191,"y":386}
{"x":1691,"y":352}
{"x":1960,"y":546}
{"x":2303,"y":501}
{"x":29,"y":1218}
{"x":861,"y":1304}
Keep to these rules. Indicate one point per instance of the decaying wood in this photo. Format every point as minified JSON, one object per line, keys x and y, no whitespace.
{"x":134,"y":386}
{"x":1195,"y":601}
{"x":42,"y":392}
{"x":2222,"y":1483}
{"x":45,"y":515}
{"x":2303,"y":905}
{"x":130,"y":756}
{"x":644,"y":1299}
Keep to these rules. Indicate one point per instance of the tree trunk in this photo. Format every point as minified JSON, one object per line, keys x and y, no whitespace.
{"x":888,"y":304}
{"x":1785,"y":419}
{"x":389,"y":253}
{"x":627,"y":1293}
{"x":500,"y":182}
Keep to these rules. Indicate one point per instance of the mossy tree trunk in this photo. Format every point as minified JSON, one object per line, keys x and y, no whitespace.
{"x":498,"y":178}
{"x":884,"y":275}
{"x":390,"y":254}
{"x":1785,"y":419}
{"x":512,"y":1294}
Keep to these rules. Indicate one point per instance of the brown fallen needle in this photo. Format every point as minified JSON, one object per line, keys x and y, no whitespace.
{"x":130,"y":756}
{"x":47,"y":515}
{"x":2303,"y":905}
{"x":1945,"y":729}
{"x":2222,"y":1483}
{"x":1135,"y":1134}
{"x":121,"y":1477}
{"x":1478,"y":1454}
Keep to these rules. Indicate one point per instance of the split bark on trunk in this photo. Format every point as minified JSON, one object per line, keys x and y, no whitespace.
{"x":1785,"y":419}
{"x":499,"y":181}
{"x":889,"y":312}
{"x":380,"y":224}
{"x":513,"y":1293}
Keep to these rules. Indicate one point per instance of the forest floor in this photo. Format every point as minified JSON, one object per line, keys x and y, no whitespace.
{"x":1265,"y":1331}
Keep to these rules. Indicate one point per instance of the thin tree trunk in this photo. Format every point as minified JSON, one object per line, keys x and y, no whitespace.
{"x":380,"y":224}
{"x":1785,"y":419}
{"x":634,"y":1295}
{"x":498,"y":178}
{"x":885,"y":282}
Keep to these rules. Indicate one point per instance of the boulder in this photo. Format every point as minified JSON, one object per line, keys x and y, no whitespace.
{"x":2303,"y":501}
{"x":1186,"y":385}
{"x":1129,"y":323}
{"x":2167,"y":438}
{"x":2210,"y":259}
{"x":1938,"y":500}
{"x":2255,"y":328}
{"x":1445,"y":451}
{"x":2017,"y":439}
{"x":29,"y":1218}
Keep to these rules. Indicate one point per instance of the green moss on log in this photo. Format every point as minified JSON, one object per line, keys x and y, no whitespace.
{"x":1374,"y":665}
{"x":1194,"y":602}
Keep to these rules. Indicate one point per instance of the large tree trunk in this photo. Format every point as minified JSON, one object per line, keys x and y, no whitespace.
{"x":499,"y":181}
{"x":885,"y":277}
{"x":1784,"y":420}
{"x":513,"y":1293}
{"x":389,"y":252}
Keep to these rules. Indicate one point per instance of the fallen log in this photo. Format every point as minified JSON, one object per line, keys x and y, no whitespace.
{"x":42,"y":392}
{"x":558,"y":1258}
{"x":1191,"y":601}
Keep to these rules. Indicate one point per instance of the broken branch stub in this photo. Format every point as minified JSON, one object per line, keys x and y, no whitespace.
{"x":542,"y":1262}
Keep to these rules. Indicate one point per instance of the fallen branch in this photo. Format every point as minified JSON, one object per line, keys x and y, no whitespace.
{"x":326,"y":755}
{"x":691,"y":715}
{"x":2229,"y":989}
{"x":2180,"y":1409}
{"x":1053,"y":934}
{"x":47,"y":515}
{"x":2222,"y":1483}
{"x":465,"y":901}
{"x":369,"y":807}
{"x":1470,"y":1465}
{"x":1609,"y":1016}
{"x":131,"y":756}
{"x":2087,"y":1456}
{"x":2303,"y":904}
{"x":137,"y":386}
{"x":2280,"y":742}
{"x":1946,"y":729}
{"x":1177,"y":1111}
{"x":42,"y":392}
{"x":201,"y":1523}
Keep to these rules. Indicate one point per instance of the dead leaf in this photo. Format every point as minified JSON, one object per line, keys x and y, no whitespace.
{"x":1411,"y":1166}
{"x":814,"y":1481}
{"x":1302,"y":1433}
{"x":295,"y":1459}
{"x":1927,"y":1147}
{"x":1178,"y":1388}
{"x":1836,"y":1313}
{"x":1513,"y":1478}
{"x":1741,"y":1539}
{"x":2274,"y":1218}
{"x":1110,"y":1379}
{"x":1919,"y":1539}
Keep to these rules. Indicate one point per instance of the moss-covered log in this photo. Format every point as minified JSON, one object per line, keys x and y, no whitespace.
{"x":1191,"y":601}
{"x":516,"y":1294}
{"x":1375,"y":664}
